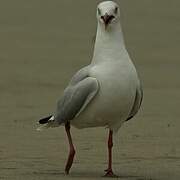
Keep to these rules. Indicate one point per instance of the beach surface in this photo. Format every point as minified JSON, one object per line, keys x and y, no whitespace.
{"x":42,"y":44}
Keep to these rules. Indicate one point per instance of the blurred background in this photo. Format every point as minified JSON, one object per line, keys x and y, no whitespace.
{"x":42,"y":44}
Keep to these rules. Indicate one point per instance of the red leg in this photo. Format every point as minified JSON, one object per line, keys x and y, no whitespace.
{"x":109,"y":171}
{"x":72,"y":150}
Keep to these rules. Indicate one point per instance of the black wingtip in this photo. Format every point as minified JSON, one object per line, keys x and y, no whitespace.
{"x":44,"y":120}
{"x":129,"y":118}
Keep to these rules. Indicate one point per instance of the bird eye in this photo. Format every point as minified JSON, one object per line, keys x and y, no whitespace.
{"x":99,"y":11}
{"x":116,"y":10}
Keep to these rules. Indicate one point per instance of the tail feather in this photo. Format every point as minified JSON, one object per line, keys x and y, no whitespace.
{"x":45,"y":120}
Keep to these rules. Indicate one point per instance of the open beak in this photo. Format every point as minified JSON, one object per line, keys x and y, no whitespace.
{"x":107,"y":19}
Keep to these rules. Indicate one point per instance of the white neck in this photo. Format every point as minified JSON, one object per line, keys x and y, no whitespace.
{"x":109,"y":43}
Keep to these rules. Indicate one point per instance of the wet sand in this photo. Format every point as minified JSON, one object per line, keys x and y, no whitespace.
{"x":42,"y":44}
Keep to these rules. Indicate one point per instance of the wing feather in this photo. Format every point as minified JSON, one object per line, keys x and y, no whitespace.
{"x":137,"y":103}
{"x":81,"y":90}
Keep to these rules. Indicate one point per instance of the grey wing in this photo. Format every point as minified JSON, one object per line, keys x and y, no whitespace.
{"x":81,"y":90}
{"x":137,"y":103}
{"x":80,"y":75}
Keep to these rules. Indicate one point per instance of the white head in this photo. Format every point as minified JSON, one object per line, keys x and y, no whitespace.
{"x":108,"y":14}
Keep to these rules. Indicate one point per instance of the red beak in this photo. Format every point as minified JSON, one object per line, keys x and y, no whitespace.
{"x":107,"y":19}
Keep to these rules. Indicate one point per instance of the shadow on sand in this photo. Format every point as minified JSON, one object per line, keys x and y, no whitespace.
{"x":87,"y":175}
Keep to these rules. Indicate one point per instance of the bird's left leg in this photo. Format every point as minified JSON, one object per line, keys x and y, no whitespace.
{"x":109,"y":171}
{"x":71,"y":150}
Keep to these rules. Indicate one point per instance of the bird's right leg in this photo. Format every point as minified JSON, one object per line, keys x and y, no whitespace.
{"x":109,"y":171}
{"x":71,"y":149}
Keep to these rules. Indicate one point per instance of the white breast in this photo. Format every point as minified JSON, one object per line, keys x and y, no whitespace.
{"x":115,"y":98}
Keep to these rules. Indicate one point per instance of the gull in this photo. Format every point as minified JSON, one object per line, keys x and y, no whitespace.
{"x":105,"y":93}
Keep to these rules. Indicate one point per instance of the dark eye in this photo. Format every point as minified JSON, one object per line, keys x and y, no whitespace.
{"x":99,"y":11}
{"x":116,"y":10}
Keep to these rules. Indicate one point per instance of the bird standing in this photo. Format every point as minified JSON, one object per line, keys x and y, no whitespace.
{"x":107,"y":92}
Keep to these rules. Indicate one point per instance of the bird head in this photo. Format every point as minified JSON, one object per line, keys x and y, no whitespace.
{"x":108,"y":14}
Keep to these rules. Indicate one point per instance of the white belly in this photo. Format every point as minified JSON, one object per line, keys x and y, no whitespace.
{"x":114,"y":101}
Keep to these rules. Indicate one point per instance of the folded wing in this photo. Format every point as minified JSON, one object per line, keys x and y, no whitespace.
{"x":137,"y":103}
{"x":79,"y":93}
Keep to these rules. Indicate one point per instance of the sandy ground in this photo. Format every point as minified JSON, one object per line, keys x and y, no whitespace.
{"x":42,"y":43}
